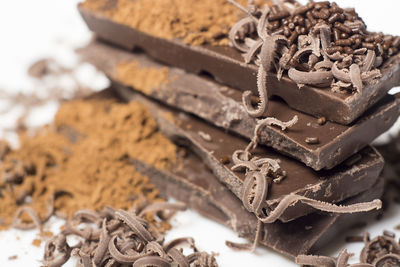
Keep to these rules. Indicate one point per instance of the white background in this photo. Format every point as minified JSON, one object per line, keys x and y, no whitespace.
{"x":33,"y":29}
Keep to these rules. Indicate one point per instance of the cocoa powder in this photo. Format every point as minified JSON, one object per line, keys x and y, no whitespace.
{"x":142,"y":79}
{"x":196,"y":22}
{"x":82,"y":161}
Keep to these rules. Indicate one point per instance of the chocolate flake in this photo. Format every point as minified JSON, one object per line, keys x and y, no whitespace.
{"x":312,"y":140}
{"x":118,"y":238}
{"x":379,"y":252}
{"x":205,"y":136}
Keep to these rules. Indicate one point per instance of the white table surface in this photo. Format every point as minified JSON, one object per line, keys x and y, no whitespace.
{"x":31,"y":30}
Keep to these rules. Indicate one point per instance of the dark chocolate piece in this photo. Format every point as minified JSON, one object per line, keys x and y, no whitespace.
{"x":227,"y":66}
{"x":330,"y":186}
{"x":222,"y":107}
{"x":193,"y":184}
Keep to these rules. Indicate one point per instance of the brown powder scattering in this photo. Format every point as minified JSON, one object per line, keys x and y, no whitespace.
{"x":196,"y":22}
{"x":14,"y":257}
{"x":145,"y":80}
{"x":82,"y":161}
{"x":37,"y":242}
{"x":4,"y":149}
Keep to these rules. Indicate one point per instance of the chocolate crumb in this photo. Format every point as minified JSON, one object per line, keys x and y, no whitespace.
{"x":13,"y":257}
{"x":37,"y":242}
{"x":321,"y":121}
{"x":312,"y":140}
{"x":225,"y":160}
{"x":205,"y":136}
{"x":389,"y":233}
{"x":40,"y":68}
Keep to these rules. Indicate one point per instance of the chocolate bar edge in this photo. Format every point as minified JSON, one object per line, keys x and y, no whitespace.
{"x":185,"y":56}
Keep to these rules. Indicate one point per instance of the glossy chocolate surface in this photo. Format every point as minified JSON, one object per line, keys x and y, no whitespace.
{"x":221,"y":106}
{"x":335,"y":185}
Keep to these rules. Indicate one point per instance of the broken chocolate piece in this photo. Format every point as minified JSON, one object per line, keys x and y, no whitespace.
{"x":201,"y":191}
{"x":191,"y":182}
{"x":222,"y":106}
{"x":329,"y":186}
{"x":227,"y":66}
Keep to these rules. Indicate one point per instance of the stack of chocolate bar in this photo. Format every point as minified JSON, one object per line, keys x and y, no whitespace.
{"x":322,"y":81}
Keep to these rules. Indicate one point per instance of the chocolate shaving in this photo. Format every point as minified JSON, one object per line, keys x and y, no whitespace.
{"x":375,"y":247}
{"x":313,"y":78}
{"x":35,"y":220}
{"x":342,"y":75}
{"x":369,"y":61}
{"x":317,"y":33}
{"x":151,"y":261}
{"x":381,"y":251}
{"x":155,"y":248}
{"x":178,"y":257}
{"x":134,"y":223}
{"x":102,"y":247}
{"x":248,"y":247}
{"x":236,"y":30}
{"x":251,"y":53}
{"x":262,"y":91}
{"x":311,"y":260}
{"x":202,"y":259}
{"x":255,"y":191}
{"x":292,"y":199}
{"x":388,"y":260}
{"x":269,"y":122}
{"x":86,"y":215}
{"x":163,"y":206}
{"x":355,"y":77}
{"x":180,"y":241}
{"x":122,"y":238}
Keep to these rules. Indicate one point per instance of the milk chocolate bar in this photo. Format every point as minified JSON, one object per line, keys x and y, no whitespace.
{"x":222,"y":107}
{"x":216,"y":147}
{"x":226,"y":65}
{"x":193,"y":184}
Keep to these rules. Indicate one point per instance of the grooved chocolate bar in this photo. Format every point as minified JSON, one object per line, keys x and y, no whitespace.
{"x":215,"y":147}
{"x":193,"y":184}
{"x":226,"y":65}
{"x":222,"y":107}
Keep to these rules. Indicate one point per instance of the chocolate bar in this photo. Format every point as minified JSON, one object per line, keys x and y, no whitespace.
{"x":222,"y":107}
{"x":226,"y":65}
{"x":193,"y":184}
{"x":215,"y":147}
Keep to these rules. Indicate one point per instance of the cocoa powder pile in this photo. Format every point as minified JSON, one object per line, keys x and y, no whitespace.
{"x":196,"y":22}
{"x":81,"y":161}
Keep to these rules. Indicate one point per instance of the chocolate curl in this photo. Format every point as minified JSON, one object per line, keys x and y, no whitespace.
{"x":134,"y":223}
{"x":321,"y":261}
{"x":19,"y":224}
{"x":292,"y":199}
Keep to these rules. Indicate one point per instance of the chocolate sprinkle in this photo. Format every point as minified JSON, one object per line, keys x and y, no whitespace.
{"x":314,"y":33}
